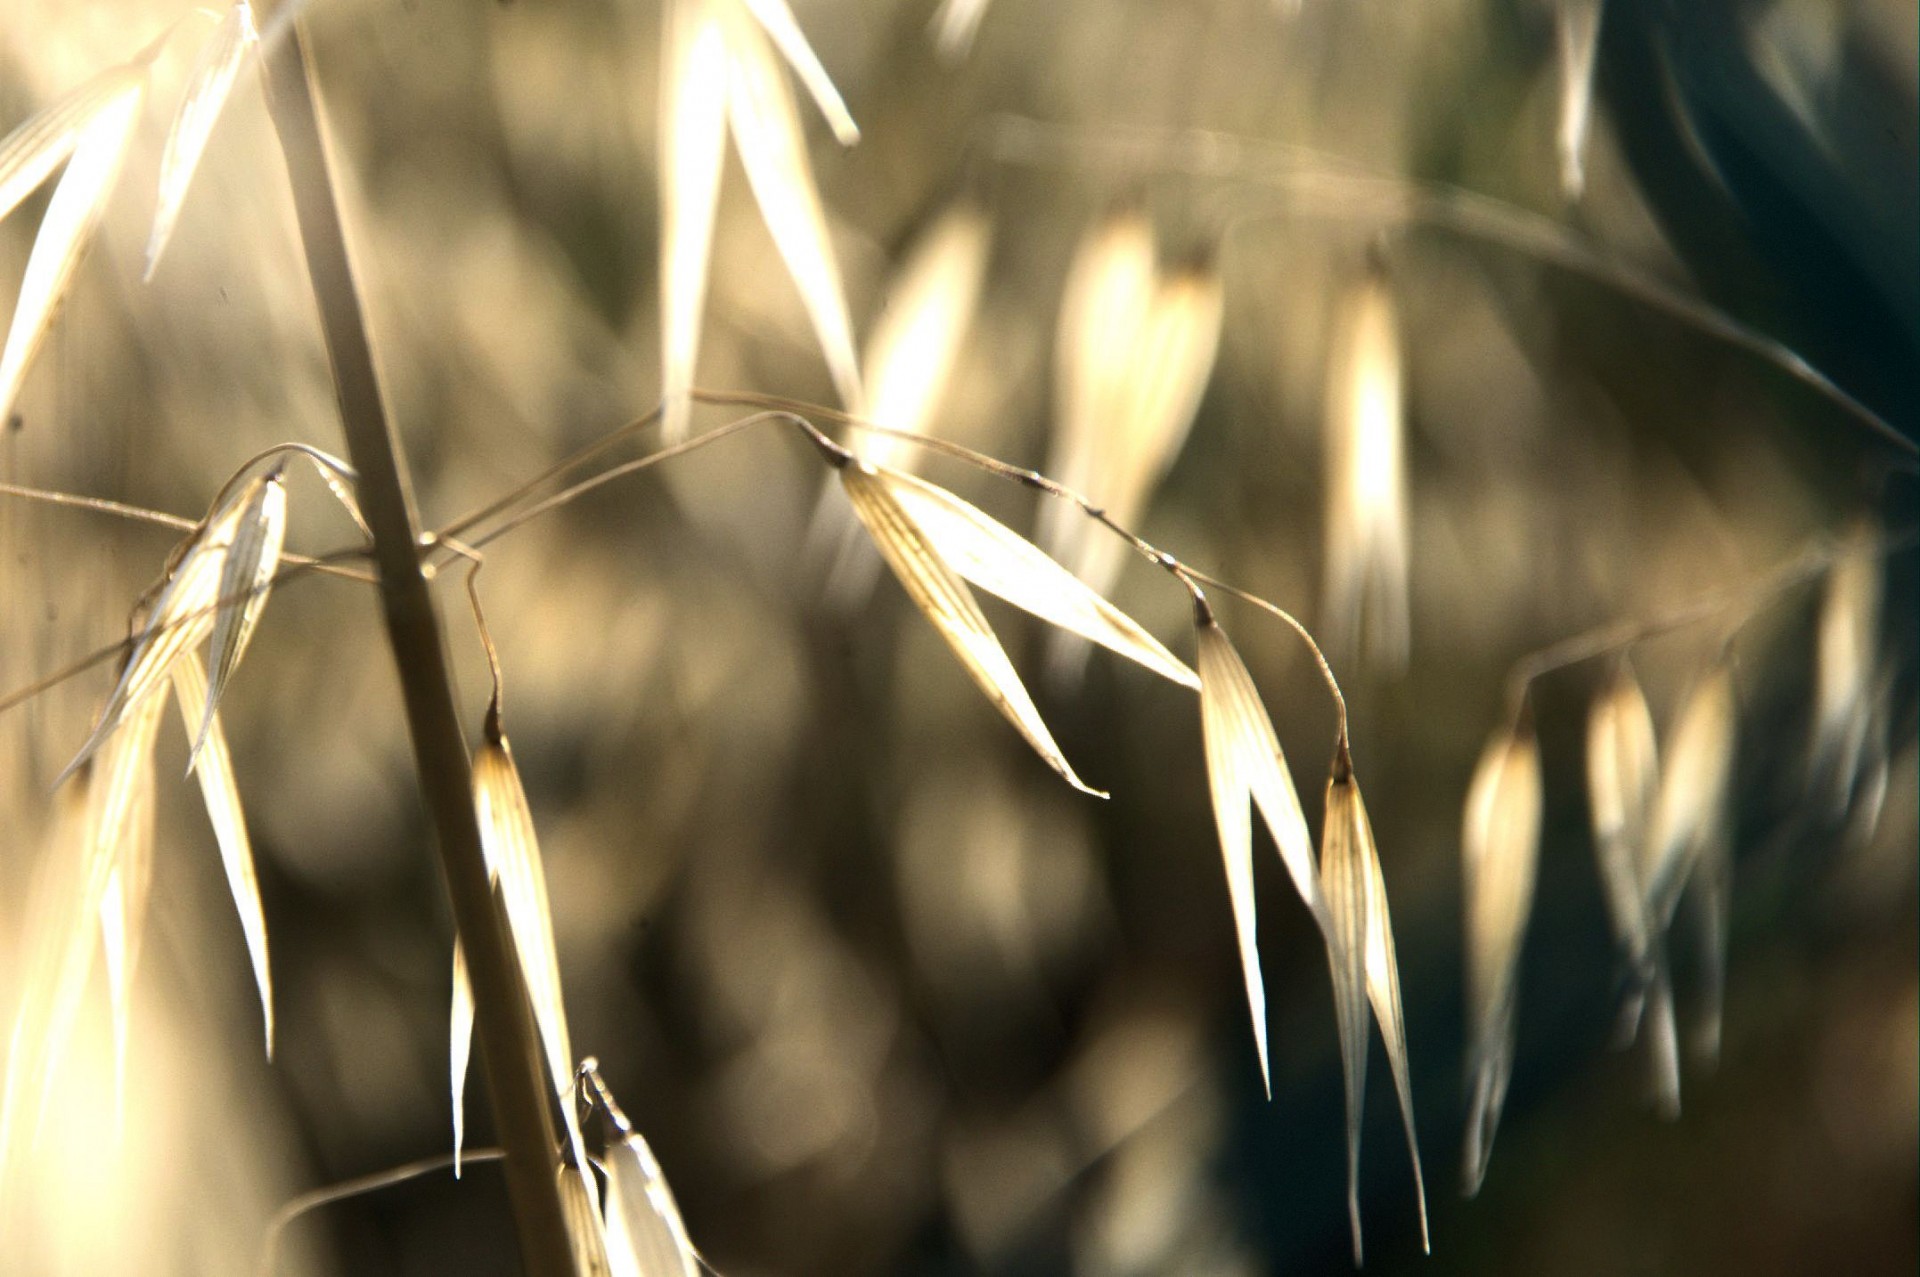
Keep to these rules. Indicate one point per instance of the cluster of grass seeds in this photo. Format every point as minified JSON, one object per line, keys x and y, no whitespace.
{"x":1661,"y":808}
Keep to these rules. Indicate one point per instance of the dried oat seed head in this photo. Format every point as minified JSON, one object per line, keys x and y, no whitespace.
{"x":208,"y":87}
{"x":1500,"y":850}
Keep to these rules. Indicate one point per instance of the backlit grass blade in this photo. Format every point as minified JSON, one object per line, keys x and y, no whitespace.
{"x":693,"y":147}
{"x":954,"y":25}
{"x":459,"y":1048}
{"x":1500,"y":852}
{"x":208,"y":87}
{"x":773,"y":150}
{"x":1695,"y":786}
{"x":937,"y":590}
{"x":1366,"y":609}
{"x":214,"y":766}
{"x":79,"y":200}
{"x":1844,"y":663}
{"x":777,"y":20}
{"x":33,"y":150}
{"x":1577,"y":28}
{"x":246,"y":573}
{"x":513,"y":853}
{"x":123,"y":911}
{"x":1623,"y":778}
{"x":1007,"y":565}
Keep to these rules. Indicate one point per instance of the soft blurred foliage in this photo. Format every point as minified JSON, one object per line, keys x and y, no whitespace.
{"x":885,"y":995}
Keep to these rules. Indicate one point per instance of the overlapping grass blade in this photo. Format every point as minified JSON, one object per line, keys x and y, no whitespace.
{"x":79,"y":200}
{"x":693,"y":142}
{"x":208,"y":87}
{"x":1008,"y":566}
{"x":585,"y":1228}
{"x":1366,"y":612}
{"x":777,"y":20}
{"x":246,"y":575}
{"x":102,"y":816}
{"x":1577,"y":28}
{"x":213,"y":764}
{"x":1500,"y":851}
{"x":943,"y":597}
{"x":773,"y":150}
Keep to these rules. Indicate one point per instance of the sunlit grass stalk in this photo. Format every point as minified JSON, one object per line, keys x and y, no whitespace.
{"x":510,"y":1049}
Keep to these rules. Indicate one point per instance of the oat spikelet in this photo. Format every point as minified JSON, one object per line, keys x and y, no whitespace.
{"x":213,"y":764}
{"x":208,"y":87}
{"x":180,"y":620}
{"x":1005,"y":564}
{"x":1366,"y":533}
{"x":693,"y":141}
{"x":1577,"y":28}
{"x":246,"y":575}
{"x":1107,"y":289}
{"x":1844,"y":661}
{"x":916,"y":341}
{"x":943,"y":597}
{"x":1246,"y":766}
{"x":98,"y":146}
{"x":645,"y":1235}
{"x":1135,"y":348}
{"x":1623,"y":777}
{"x":1689,"y":848}
{"x":1365,"y":970}
{"x":1695,"y":787}
{"x":1500,"y":849}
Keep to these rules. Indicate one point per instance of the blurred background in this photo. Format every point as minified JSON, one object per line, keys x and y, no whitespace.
{"x":883,"y":994}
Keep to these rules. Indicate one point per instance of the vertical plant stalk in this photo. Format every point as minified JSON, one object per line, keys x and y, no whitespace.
{"x":509,"y":1045}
